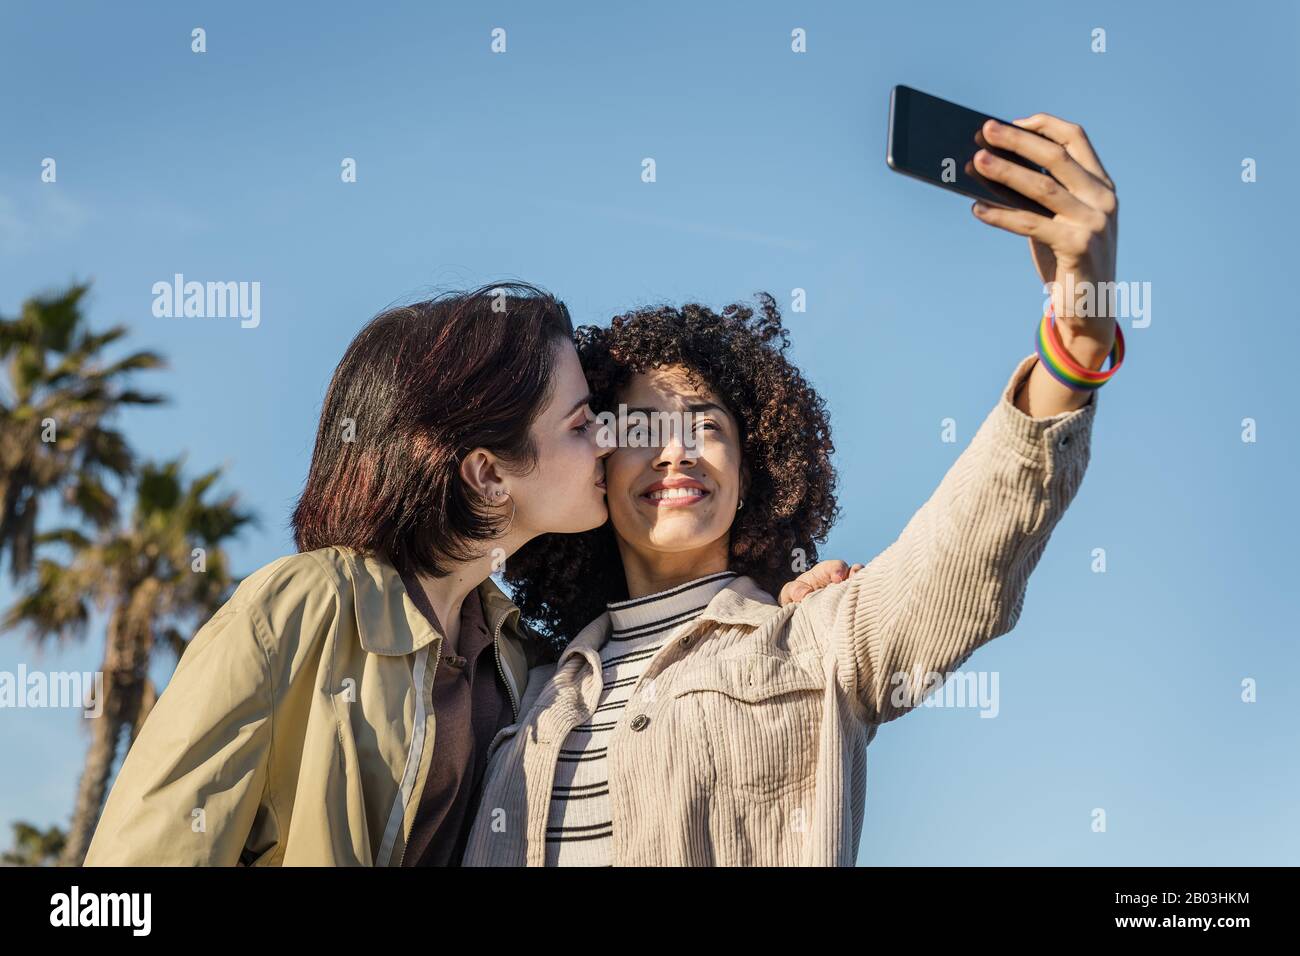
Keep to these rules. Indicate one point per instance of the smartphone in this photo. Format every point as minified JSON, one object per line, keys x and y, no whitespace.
{"x":935,"y":141}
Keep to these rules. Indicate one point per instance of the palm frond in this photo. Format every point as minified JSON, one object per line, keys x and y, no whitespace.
{"x":54,"y":606}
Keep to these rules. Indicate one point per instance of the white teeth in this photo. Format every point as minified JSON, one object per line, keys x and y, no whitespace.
{"x":676,"y":493}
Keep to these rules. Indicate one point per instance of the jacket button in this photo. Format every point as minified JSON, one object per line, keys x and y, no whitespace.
{"x":640,"y":721}
{"x":1065,"y":440}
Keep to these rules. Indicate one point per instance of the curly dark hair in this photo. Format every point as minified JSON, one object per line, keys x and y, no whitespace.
{"x":562,"y":582}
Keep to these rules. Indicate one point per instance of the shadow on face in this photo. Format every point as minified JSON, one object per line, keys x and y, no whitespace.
{"x":675,"y":491}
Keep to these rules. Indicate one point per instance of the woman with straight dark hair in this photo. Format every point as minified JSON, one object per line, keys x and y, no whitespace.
{"x":337,"y":709}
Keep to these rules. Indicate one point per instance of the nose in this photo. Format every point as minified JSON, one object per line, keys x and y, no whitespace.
{"x":674,"y":451}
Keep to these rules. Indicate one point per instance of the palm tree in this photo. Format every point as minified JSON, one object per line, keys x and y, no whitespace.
{"x":155,"y":578}
{"x":33,"y":846}
{"x":53,"y":438}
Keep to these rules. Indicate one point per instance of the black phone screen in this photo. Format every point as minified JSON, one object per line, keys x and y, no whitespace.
{"x":935,"y":140}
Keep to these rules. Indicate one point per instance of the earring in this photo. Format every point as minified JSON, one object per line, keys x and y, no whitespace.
{"x":741,"y":505}
{"x":509,"y":524}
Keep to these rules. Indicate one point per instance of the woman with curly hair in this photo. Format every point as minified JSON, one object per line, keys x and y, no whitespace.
{"x":693,"y":720}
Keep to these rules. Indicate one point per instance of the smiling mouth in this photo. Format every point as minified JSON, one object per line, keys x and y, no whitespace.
{"x":675,"y":497}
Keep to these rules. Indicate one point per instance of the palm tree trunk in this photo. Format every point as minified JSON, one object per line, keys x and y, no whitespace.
{"x":124,"y":689}
{"x":148,"y":697}
{"x":104,"y":735}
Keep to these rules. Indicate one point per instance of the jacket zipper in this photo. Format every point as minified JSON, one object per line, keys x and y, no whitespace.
{"x":496,"y":649}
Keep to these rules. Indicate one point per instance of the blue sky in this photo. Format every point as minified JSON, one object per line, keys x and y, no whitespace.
{"x":1119,"y":690}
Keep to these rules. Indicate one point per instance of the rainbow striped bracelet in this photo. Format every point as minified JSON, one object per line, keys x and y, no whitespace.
{"x":1052,"y":353}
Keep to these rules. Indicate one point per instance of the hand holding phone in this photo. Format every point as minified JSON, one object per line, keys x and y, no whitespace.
{"x":935,"y":141}
{"x":1071,"y":221}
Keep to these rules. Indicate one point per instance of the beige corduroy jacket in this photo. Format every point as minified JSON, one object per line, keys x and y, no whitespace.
{"x":745,"y":740}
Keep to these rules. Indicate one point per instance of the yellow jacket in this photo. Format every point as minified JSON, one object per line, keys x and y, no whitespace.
{"x":296,"y":729}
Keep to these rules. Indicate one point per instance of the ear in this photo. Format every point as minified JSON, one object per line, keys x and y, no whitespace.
{"x":744,"y":479}
{"x":481,"y":472}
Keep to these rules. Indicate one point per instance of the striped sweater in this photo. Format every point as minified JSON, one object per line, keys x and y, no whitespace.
{"x":578,"y":831}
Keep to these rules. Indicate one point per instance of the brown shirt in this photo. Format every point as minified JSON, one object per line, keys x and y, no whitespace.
{"x":470,"y":704}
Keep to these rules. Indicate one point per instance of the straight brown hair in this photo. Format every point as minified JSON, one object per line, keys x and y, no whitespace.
{"x":419,"y":387}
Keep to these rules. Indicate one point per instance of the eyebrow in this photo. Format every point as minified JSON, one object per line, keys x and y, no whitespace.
{"x":699,"y":407}
{"x":585,"y":400}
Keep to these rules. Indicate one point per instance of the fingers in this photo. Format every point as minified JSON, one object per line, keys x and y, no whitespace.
{"x":1072,"y":137}
{"x":1054,"y":233}
{"x":1052,"y":156}
{"x":830,"y":572}
{"x":815,"y":578}
{"x":1044,"y":189}
{"x":794,"y":592}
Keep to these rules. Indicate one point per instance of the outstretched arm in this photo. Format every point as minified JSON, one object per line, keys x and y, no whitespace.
{"x":956,"y":576}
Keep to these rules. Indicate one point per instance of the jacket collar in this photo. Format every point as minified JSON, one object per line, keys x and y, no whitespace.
{"x":388,"y":621}
{"x":742,"y":601}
